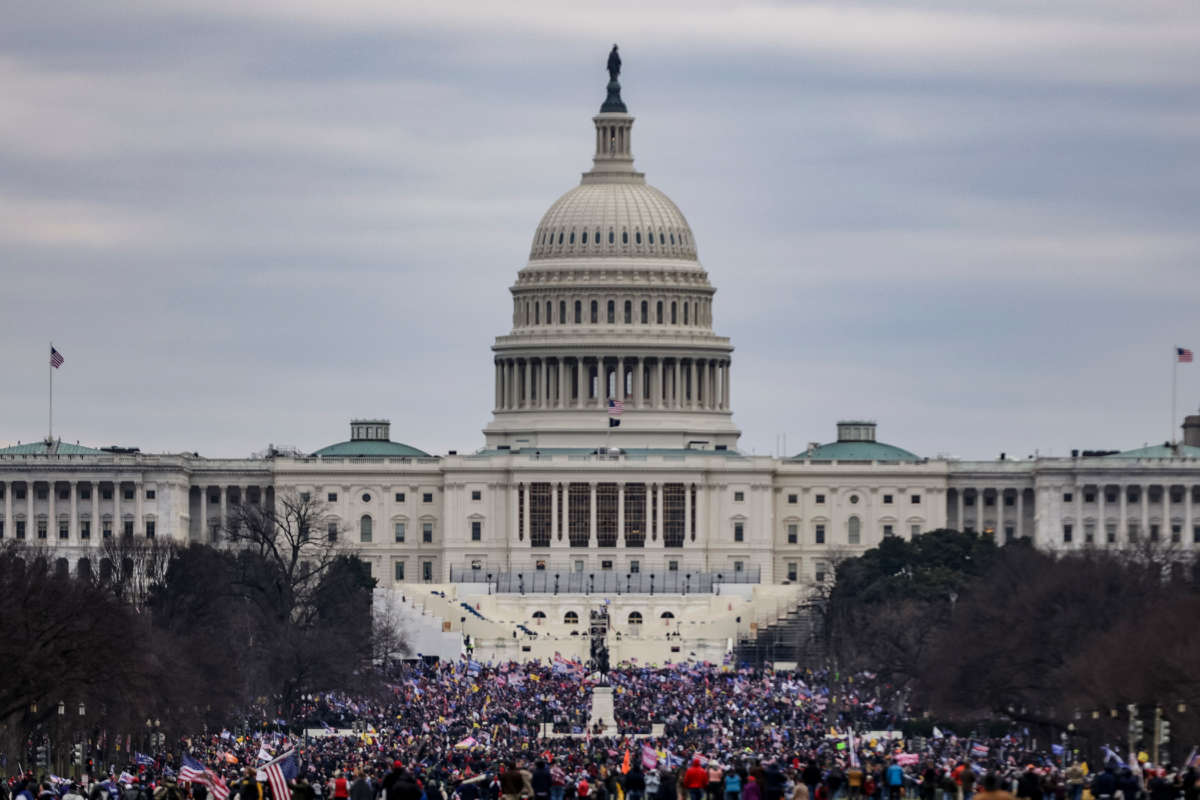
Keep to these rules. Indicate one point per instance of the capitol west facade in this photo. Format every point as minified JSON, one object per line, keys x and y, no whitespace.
{"x":613,"y":305}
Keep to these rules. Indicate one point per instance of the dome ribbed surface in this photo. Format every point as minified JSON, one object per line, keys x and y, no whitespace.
{"x":630,"y":219}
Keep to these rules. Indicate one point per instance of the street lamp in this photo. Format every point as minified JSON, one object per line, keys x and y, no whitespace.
{"x":62,"y":708}
{"x":82,"y":708}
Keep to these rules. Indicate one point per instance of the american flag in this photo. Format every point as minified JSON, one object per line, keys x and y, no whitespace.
{"x":279,"y":772}
{"x":195,"y":772}
{"x":1182,"y":355}
{"x":56,"y":359}
{"x":615,"y":407}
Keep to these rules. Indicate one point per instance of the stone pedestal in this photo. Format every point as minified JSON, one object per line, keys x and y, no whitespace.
{"x":602,"y":710}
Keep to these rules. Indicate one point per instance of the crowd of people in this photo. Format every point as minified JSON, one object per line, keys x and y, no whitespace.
{"x":467,"y":731}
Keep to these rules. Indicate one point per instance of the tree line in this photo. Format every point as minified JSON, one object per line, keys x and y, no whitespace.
{"x":1064,"y":643}
{"x":168,"y":639}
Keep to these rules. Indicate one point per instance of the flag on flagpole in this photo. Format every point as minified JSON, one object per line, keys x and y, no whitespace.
{"x":280,"y":772}
{"x":615,"y":408}
{"x":56,"y":359}
{"x":1182,"y":355}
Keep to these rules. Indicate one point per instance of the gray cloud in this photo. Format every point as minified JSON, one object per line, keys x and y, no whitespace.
{"x":246,"y":223}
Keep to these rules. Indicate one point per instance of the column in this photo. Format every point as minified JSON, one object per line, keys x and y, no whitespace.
{"x":566,"y":504}
{"x":658,"y":383}
{"x":999,"y":515}
{"x":591,"y":514}
{"x":702,"y":518}
{"x":958,"y":518}
{"x":979,"y":500}
{"x":498,"y":374}
{"x":579,"y":393}
{"x":1144,"y":532}
{"x":687,"y":510}
{"x":1123,"y":514}
{"x":638,"y":379}
{"x":139,"y":525}
{"x":1020,"y":511}
{"x":620,"y":381}
{"x":52,"y":518}
{"x":693,"y":401}
{"x":677,"y":396}
{"x":1078,"y":529}
{"x":561,"y":366}
{"x":621,"y":514}
{"x":203,"y":533}
{"x":1100,"y":524}
{"x":525,"y":382}
{"x":725,"y":394}
{"x":73,"y":523}
{"x":29,"y":522}
{"x":1165,"y":527}
{"x":553,"y":513}
{"x":524,"y":489}
{"x":116,"y":531}
{"x":8,"y":509}
{"x":1188,"y":536}
{"x":658,"y":516}
{"x":224,"y":506}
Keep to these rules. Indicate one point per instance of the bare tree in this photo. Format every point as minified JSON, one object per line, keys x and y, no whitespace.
{"x":137,"y":565}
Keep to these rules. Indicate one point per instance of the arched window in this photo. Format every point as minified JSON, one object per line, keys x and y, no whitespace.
{"x":578,"y":312}
{"x":562,"y":311}
{"x":651,"y":237}
{"x":610,"y":237}
{"x":645,"y":312}
{"x":549,"y":308}
{"x":854,"y":531}
{"x":572,"y":239}
{"x":624,"y":237}
{"x":595,"y":312}
{"x":628,"y":312}
{"x":539,"y":615}
{"x":560,"y":237}
{"x":597,"y":239}
{"x":672,"y":237}
{"x":612,"y":312}
{"x":685,"y":313}
{"x":635,"y":618}
{"x":570,"y":618}
{"x":365,"y":528}
{"x":83,"y":568}
{"x":661,"y":238}
{"x":584,"y":237}
{"x":660,"y":312}
{"x":674,"y":317}
{"x":638,"y":237}
{"x":667,"y":615}
{"x":537,"y":314}
{"x":526,"y":313}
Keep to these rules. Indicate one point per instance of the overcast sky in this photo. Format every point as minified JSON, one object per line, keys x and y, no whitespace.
{"x":247,"y":222}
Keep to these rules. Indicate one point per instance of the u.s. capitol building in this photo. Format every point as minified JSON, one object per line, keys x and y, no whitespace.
{"x":613,"y":308}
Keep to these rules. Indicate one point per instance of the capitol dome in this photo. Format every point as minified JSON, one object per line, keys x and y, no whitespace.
{"x":617,"y":218}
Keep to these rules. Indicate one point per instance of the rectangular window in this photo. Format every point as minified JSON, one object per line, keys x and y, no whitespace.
{"x":331,"y":497}
{"x":399,"y":533}
{"x":427,"y":532}
{"x":738,"y":566}
{"x":579,"y":565}
{"x":792,"y":571}
{"x":1133,"y":531}
{"x":968,"y":500}
{"x":41,"y":494}
{"x":41,"y":529}
{"x":1068,"y":497}
{"x":476,"y":531}
{"x":819,"y":571}
{"x":1110,"y":497}
{"x":672,"y":566}
{"x":1154,"y":532}
{"x":793,"y":499}
{"x":887,"y":499}
{"x":915,"y":530}
{"x":635,"y":566}
{"x":1176,"y":533}
{"x":305,"y":497}
{"x":1196,"y":534}
{"x":127,"y":528}
{"x":151,"y":494}
{"x":427,"y":497}
{"x":64,"y":529}
{"x":819,"y":499}
{"x":1010,"y":500}
{"x":673,"y":512}
{"x":476,"y":495}
{"x":916,"y":499}
{"x":1010,"y":533}
{"x":21,"y":529}
{"x":128,"y":494}
{"x":739,"y":532}
{"x":819,"y":533}
{"x":635,"y":515}
{"x":606,"y":565}
{"x":20,"y":494}
{"x":888,"y":530}
{"x":332,"y":532}
{"x":399,"y":571}
{"x":64,"y":494}
{"x":793,"y":533}
{"x":1089,"y":497}
{"x":1067,"y":533}
{"x":399,"y":497}
{"x":1110,"y":533}
{"x":149,"y":529}
{"x":989,"y":500}
{"x":427,"y":571}
{"x":1089,"y":532}
{"x":106,"y":529}
{"x":739,"y":497}
{"x":85,"y":529}
{"x":1,"y":529}
{"x":366,"y":532}
{"x":579,"y":504}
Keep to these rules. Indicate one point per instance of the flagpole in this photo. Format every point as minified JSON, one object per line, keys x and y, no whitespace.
{"x":50,"y":366}
{"x":1174,"y":374}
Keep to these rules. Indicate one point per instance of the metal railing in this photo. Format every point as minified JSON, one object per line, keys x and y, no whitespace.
{"x":565,"y":581}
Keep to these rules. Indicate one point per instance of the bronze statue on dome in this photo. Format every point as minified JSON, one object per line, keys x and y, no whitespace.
{"x":614,"y":64}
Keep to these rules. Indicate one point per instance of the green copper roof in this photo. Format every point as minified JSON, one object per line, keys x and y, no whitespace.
{"x":377,"y":448}
{"x":857,"y":451}
{"x":44,"y":448}
{"x":1161,"y":451}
